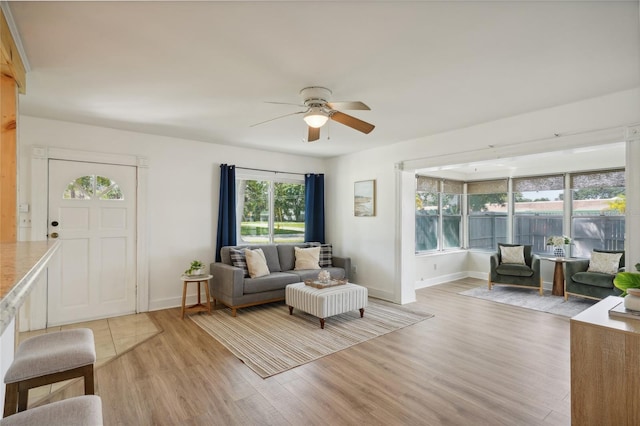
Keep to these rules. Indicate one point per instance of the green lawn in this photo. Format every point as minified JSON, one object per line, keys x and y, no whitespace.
{"x":262,"y":228}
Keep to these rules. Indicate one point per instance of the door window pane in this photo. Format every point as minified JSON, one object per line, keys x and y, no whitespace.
{"x":87,"y":187}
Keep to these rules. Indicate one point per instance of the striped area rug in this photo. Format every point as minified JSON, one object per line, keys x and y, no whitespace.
{"x":269,"y":340}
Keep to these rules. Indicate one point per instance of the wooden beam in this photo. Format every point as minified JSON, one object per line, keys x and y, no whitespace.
{"x":8,"y":160}
{"x":10,"y":61}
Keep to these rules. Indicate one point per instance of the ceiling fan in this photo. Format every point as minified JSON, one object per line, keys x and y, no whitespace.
{"x":319,"y":109}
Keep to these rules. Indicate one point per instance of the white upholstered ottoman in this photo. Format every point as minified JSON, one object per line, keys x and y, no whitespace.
{"x":326,"y":302}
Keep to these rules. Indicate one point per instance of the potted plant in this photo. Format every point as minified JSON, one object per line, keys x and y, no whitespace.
{"x":558,"y":242}
{"x":196,"y":268}
{"x":627,"y":280}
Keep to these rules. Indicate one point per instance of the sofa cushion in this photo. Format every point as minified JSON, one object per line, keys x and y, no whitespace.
{"x":326,"y":254}
{"x":514,"y":270}
{"x":307,"y":258}
{"x":256,"y":263}
{"x":287,"y":256}
{"x":513,"y":255}
{"x":239,"y":260}
{"x":596,"y":279}
{"x":271,"y":255}
{"x":273,"y":281}
{"x":606,"y":263}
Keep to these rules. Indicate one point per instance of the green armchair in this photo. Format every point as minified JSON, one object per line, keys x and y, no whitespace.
{"x":510,"y":274}
{"x":591,"y":285}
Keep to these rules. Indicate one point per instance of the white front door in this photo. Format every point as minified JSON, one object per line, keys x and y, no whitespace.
{"x":92,"y":210}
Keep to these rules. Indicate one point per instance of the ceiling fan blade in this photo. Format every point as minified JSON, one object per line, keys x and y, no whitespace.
{"x":277,"y":118}
{"x":349,"y":105}
{"x":284,"y":103}
{"x":314,"y":134}
{"x":352,"y":122}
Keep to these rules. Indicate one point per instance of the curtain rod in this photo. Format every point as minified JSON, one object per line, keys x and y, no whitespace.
{"x":274,"y":171}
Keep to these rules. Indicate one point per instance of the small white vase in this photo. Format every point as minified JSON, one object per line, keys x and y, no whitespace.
{"x":558,"y":252}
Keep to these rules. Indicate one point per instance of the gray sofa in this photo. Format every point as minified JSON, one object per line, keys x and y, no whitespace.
{"x":230,"y":287}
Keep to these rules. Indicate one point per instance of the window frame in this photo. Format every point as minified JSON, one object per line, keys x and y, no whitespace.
{"x":441,"y":187}
{"x":562,"y":182}
{"x":272,"y":179}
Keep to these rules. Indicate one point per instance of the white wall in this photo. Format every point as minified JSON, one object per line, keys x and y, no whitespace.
{"x":184,"y":175}
{"x":371,"y":242}
{"x":183,"y":181}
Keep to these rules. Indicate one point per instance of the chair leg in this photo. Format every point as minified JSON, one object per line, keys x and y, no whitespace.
{"x":23,"y":398}
{"x":10,"y":399}
{"x":89,"y":387}
{"x":489,"y":281}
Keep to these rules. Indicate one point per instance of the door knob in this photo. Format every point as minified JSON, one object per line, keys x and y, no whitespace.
{"x":54,"y":235}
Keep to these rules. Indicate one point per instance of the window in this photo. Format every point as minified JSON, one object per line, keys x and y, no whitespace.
{"x":451,"y":214}
{"x":595,"y":205}
{"x":438,"y":214}
{"x":270,"y":210}
{"x":598,"y":205}
{"x":427,"y":213}
{"x":538,"y":210}
{"x":88,"y":187}
{"x":487,"y":210}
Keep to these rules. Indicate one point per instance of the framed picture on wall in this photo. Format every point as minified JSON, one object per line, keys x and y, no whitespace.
{"x":364,"y":198}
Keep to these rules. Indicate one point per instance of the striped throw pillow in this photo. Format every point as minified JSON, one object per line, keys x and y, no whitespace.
{"x":239,"y":260}
{"x":326,"y":254}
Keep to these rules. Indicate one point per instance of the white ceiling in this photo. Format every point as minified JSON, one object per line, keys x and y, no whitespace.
{"x":203,"y":70}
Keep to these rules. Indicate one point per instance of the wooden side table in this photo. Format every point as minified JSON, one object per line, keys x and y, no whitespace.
{"x":198,"y":307}
{"x":558,"y":274}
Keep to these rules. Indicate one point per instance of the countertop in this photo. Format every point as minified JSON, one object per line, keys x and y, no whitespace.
{"x":598,"y":315}
{"x":20,"y":266}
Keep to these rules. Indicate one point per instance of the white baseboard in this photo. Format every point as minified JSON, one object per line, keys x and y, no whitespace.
{"x":478,"y":275}
{"x":173,"y":302}
{"x":440,"y":280}
{"x":460,"y":275}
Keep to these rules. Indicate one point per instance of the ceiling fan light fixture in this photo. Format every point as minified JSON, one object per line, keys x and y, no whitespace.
{"x":316,"y":117}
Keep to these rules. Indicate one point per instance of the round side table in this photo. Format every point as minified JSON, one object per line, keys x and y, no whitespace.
{"x":558,"y":274}
{"x":198,"y":307}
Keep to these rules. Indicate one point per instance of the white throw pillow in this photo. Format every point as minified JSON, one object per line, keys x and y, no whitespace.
{"x":307,"y":258}
{"x":256,"y":263}
{"x":513,"y":255}
{"x":606,"y":263}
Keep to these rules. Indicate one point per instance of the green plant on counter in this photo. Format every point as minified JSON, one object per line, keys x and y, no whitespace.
{"x":626,"y":280}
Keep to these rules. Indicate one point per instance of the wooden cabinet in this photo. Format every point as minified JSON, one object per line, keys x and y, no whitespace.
{"x":605,"y":367}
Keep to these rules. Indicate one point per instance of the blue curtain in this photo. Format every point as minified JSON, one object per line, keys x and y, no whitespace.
{"x":226,"y":209}
{"x":314,"y":207}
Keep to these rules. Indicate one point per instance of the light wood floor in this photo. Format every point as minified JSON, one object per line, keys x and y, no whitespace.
{"x":113,"y":337}
{"x":475,"y":363}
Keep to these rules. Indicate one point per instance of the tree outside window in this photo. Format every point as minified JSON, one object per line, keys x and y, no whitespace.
{"x":270,"y":211}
